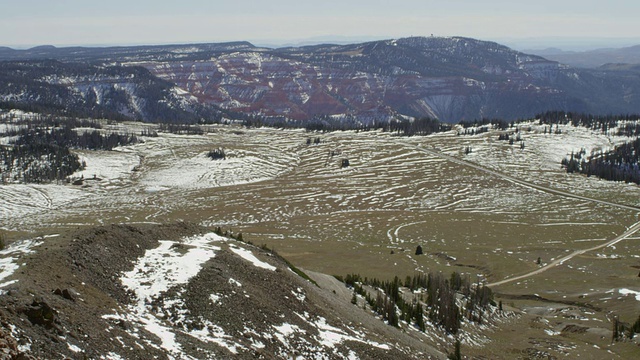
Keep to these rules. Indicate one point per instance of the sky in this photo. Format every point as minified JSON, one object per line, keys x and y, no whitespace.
{"x":27,"y":23}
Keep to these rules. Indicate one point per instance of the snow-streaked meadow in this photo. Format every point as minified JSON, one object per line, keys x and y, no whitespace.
{"x":368,"y":217}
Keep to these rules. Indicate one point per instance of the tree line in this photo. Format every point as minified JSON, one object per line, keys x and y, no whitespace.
{"x":444,"y":302}
{"x":602,"y":123}
{"x":324,"y":123}
{"x":37,"y":163}
{"x":45,"y":120}
{"x":417,"y":127}
{"x":65,"y":136}
{"x":42,"y":154}
{"x":486,"y":123}
{"x":619,"y":164}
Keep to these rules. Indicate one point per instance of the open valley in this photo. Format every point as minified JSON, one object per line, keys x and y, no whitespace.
{"x":495,"y":212}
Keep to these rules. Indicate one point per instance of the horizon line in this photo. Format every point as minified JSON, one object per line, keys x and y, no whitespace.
{"x":338,"y":40}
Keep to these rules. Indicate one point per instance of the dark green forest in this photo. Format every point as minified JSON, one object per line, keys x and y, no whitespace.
{"x":619,"y":164}
{"x":42,"y":154}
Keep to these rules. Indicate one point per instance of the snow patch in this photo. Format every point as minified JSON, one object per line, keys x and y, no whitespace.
{"x":248,"y":255}
{"x":112,"y":356}
{"x":107,"y":165}
{"x":331,"y":336}
{"x":11,"y":254}
{"x":215,"y":334}
{"x":299,"y":294}
{"x":630,"y":292}
{"x":215,"y":298}
{"x":170,"y":264}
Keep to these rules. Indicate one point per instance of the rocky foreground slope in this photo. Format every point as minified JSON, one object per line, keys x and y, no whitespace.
{"x":178,"y":292}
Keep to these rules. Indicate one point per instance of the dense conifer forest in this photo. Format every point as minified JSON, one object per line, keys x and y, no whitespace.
{"x":40,"y":152}
{"x":619,"y":164}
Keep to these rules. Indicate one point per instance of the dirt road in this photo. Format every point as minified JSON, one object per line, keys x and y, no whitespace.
{"x":631,"y":230}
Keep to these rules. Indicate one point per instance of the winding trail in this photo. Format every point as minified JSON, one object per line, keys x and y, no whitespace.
{"x":46,"y":197}
{"x":635,"y":227}
{"x":630,"y":231}
{"x":395,"y":238}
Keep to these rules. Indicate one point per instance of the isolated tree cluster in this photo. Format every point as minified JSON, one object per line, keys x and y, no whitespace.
{"x":37,"y":163}
{"x":217,"y":154}
{"x":622,"y":330}
{"x":441,"y":301}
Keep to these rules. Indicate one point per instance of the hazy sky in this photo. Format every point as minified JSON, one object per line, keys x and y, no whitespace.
{"x":110,"y":22}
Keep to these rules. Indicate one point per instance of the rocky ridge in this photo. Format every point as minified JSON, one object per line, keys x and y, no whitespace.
{"x":177,"y":291}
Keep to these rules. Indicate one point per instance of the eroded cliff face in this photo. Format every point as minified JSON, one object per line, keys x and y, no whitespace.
{"x":96,"y":91}
{"x":451,"y":79}
{"x":448,"y":78}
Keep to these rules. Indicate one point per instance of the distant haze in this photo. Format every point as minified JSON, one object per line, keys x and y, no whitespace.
{"x":280,"y":22}
{"x":567,"y":44}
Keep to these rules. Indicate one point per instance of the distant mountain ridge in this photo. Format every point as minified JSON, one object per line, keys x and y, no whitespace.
{"x":593,"y":58}
{"x":83,"y":90}
{"x":118,"y":53}
{"x":449,"y":78}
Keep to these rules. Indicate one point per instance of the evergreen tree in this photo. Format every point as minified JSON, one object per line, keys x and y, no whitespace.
{"x":456,"y":355}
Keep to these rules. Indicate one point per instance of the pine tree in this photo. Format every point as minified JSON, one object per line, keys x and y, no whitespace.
{"x":456,"y":355}
{"x":616,"y":330}
{"x":419,"y":316}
